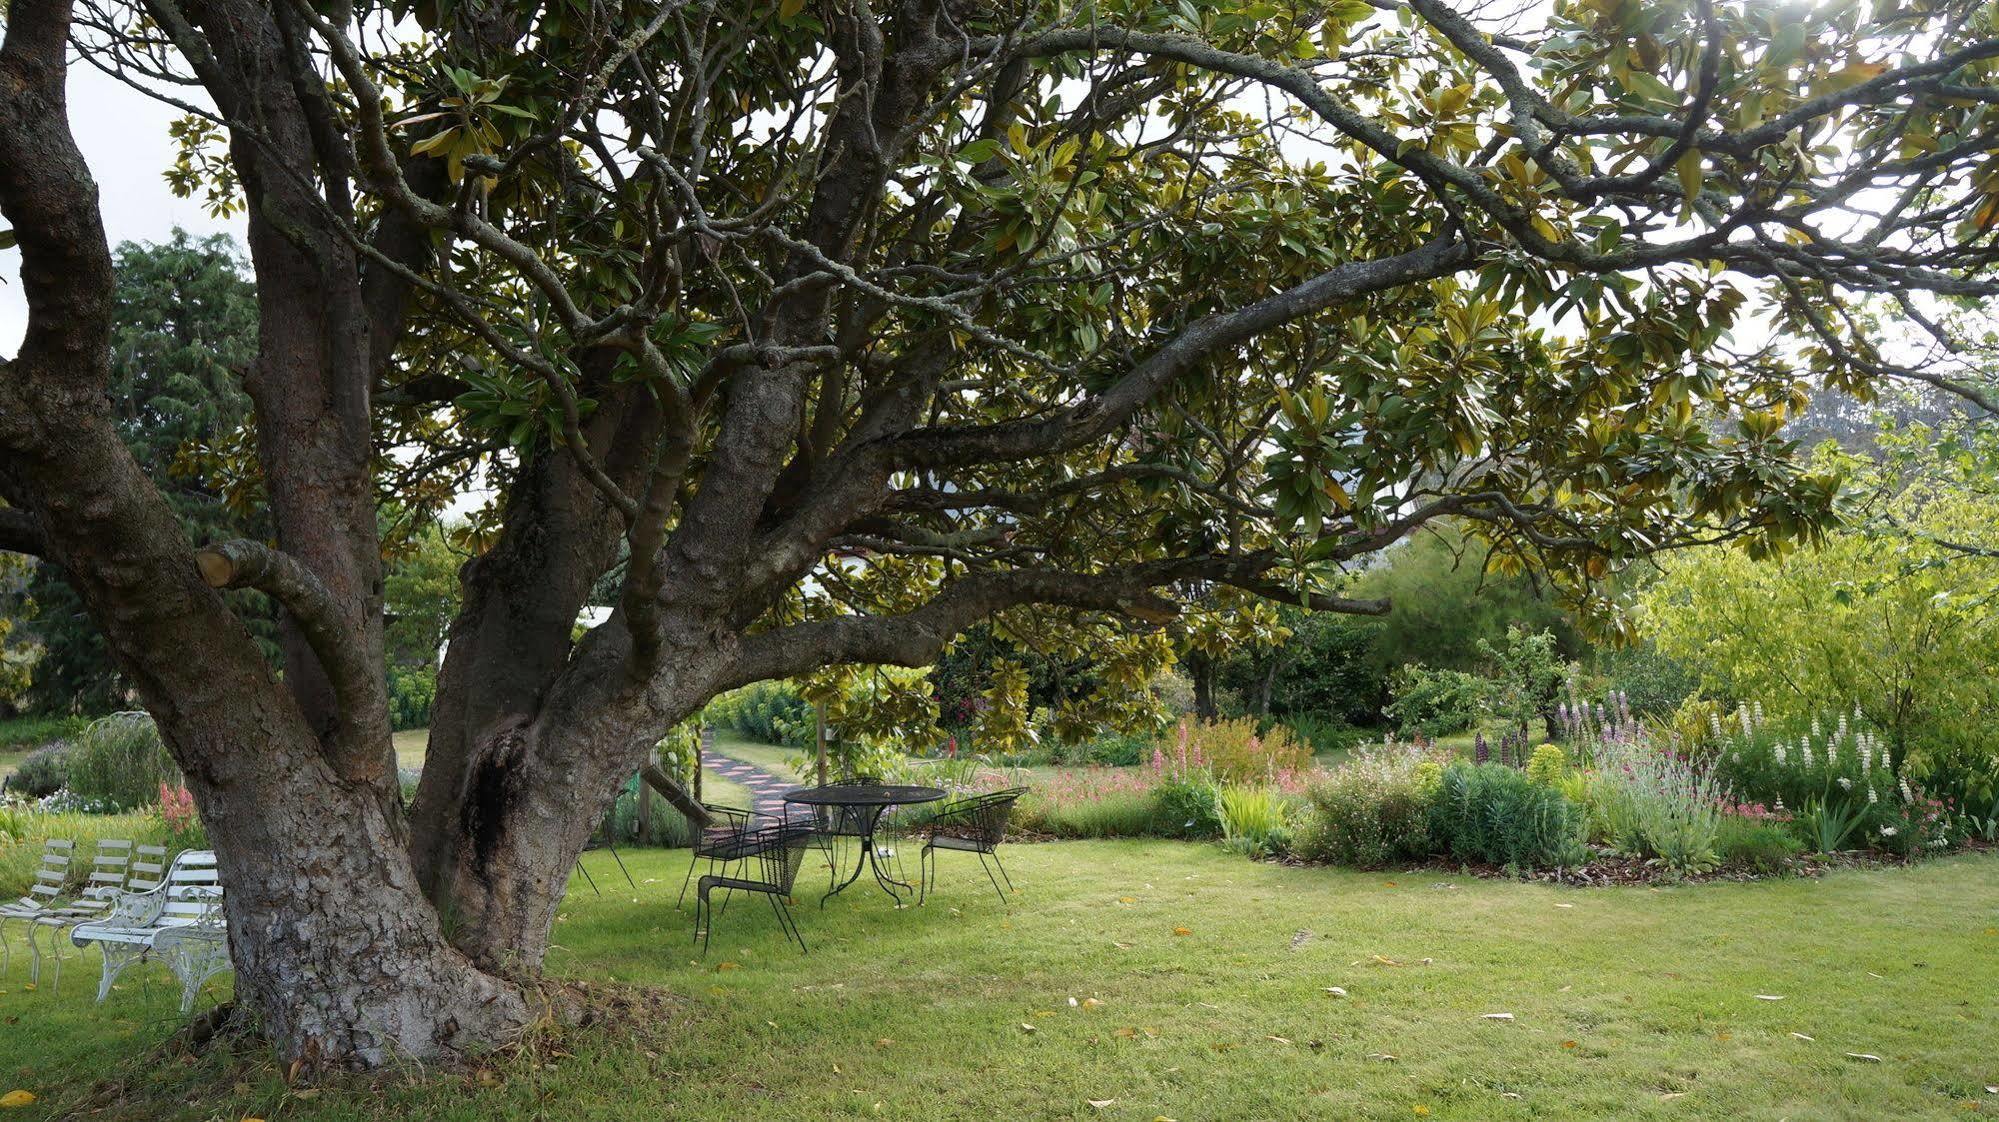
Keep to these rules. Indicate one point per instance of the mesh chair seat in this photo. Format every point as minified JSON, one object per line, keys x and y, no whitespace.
{"x":773,"y":854}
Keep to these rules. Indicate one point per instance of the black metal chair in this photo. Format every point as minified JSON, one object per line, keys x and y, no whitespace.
{"x":771,"y":855}
{"x":716,"y":841}
{"x":976,"y":824}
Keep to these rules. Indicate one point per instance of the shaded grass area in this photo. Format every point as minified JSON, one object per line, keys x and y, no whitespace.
{"x":1628,"y":1003}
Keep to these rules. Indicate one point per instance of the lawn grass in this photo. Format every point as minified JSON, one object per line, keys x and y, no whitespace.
{"x":1627,"y":1003}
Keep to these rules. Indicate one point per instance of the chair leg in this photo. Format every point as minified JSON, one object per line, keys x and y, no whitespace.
{"x":703,"y":909}
{"x":777,"y":912}
{"x":117,"y":956}
{"x":926,"y":863}
{"x":1002,"y":869}
{"x":693,"y":859}
{"x":786,"y":922}
{"x":55,"y":952}
{"x":34,"y":955}
{"x":991,"y":877}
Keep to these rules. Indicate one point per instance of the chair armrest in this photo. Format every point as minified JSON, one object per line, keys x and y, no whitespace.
{"x":134,"y":909}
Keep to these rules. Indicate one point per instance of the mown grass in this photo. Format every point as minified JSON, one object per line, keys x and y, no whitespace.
{"x":1627,"y":1003}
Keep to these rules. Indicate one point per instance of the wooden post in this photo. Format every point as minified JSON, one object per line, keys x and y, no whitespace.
{"x":822,"y":743}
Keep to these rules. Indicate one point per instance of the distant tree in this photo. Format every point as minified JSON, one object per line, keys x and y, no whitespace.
{"x":420,"y":595}
{"x":184,"y":321}
{"x":1884,"y":617}
{"x":1448,"y":600}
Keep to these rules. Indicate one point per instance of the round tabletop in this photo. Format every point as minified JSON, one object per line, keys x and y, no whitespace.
{"x":863,"y":794}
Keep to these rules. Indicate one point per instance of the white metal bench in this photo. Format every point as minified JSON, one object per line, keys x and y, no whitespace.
{"x":180,"y":923}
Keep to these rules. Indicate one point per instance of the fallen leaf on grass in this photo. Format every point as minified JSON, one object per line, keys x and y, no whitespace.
{"x":1335,"y":991}
{"x":1182,"y":931}
{"x":1100,"y":1104}
{"x":1025,"y":1027}
{"x":721,"y":966}
{"x":1671,"y":1095}
{"x":1382,"y":1056}
{"x":1769,"y":997}
{"x":883,"y":1042}
{"x":1388,"y":884}
{"x":1992,"y":1088}
{"x":1864,"y":1057}
{"x":1091,"y":1003}
{"x":13,"y":1100}
{"x":1278,"y":1039}
{"x":1565,"y":905}
{"x":1803,"y":1037}
{"x":1568,"y":1044}
{"x":1127,"y":899}
{"x":1384,"y":960}
{"x":1419,"y":1108}
{"x":1120,"y":946}
{"x":1125,"y":1033}
{"x":1495,"y":1016}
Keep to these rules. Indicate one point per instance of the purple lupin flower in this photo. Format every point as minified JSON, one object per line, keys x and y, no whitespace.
{"x":1479,"y":751}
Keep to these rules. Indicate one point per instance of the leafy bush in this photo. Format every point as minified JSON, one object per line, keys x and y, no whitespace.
{"x":1913,"y":826}
{"x":1758,"y":845}
{"x":1436,"y":702}
{"x":1655,"y":684}
{"x":1253,"y":819}
{"x":121,"y":761}
{"x":770,"y":712}
{"x":1494,"y":814}
{"x":43,"y":772}
{"x":1188,"y":807}
{"x":1548,"y":764}
{"x":1831,"y":825}
{"x":1326,"y":734}
{"x":1235,"y":751}
{"x":1661,"y":807}
{"x":1836,"y":762}
{"x":1370,"y":811}
{"x":411,"y":695}
{"x":1111,"y":749}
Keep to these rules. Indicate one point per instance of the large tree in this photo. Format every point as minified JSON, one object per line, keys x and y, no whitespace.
{"x":849,"y":326}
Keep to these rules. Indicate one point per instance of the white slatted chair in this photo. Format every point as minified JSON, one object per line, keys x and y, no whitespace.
{"x":118,"y":868}
{"x":180,"y":923}
{"x":45,"y":895}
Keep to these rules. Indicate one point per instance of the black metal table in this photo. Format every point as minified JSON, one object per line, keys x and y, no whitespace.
{"x":868,"y":802}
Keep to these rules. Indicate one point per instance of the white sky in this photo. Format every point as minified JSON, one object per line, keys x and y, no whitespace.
{"x":123,"y":135}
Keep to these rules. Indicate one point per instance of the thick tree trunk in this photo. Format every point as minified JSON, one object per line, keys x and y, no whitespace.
{"x":335,"y":946}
